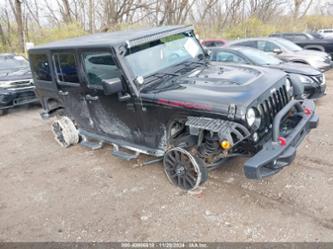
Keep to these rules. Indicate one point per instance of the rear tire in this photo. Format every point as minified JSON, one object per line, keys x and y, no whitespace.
{"x":65,"y":132}
{"x":183,"y":169}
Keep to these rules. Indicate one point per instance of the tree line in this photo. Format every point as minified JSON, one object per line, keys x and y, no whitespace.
{"x":22,"y":20}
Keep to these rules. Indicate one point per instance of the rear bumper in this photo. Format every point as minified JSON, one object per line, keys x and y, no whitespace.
{"x":274,"y":156}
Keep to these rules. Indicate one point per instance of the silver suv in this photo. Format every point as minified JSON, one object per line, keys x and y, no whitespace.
{"x":288,"y":51}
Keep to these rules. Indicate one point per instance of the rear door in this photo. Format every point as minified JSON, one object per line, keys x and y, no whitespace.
{"x":70,"y":88}
{"x":41,"y":71}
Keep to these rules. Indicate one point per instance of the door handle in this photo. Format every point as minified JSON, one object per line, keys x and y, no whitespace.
{"x":63,"y":93}
{"x":92,"y":98}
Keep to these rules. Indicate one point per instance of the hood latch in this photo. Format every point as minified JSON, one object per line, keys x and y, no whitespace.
{"x":232,"y":111}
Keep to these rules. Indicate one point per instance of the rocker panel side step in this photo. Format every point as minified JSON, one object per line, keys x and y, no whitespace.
{"x":122,"y":154}
{"x":94,"y":145}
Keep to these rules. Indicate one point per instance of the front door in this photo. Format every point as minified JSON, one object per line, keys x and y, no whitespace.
{"x":110,"y":117}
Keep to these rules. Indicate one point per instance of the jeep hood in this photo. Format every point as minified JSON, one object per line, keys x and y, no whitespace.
{"x":218,"y":86}
{"x":13,"y":74}
{"x":298,"y":68}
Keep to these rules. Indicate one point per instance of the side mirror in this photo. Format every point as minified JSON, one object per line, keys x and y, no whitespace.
{"x":277,"y":51}
{"x":112,"y":86}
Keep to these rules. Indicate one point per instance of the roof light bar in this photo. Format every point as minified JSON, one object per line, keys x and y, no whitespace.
{"x":149,"y":38}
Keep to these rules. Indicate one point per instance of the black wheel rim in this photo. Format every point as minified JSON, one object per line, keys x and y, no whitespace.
{"x":181,"y":169}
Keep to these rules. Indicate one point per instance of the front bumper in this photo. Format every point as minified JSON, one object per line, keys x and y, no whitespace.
{"x":276,"y":155}
{"x":14,"y":97}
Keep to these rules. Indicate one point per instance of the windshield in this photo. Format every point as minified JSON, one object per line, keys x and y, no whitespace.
{"x":152,"y":57}
{"x":260,"y":58}
{"x":12,"y":62}
{"x":289,"y":45}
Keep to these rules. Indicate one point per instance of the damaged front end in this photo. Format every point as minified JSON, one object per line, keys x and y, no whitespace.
{"x":220,"y":139}
{"x":217,"y":139}
{"x":290,"y":126}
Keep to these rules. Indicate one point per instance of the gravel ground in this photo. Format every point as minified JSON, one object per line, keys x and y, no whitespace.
{"x":48,"y":193}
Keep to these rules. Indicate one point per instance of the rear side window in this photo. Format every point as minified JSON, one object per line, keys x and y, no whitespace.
{"x":227,"y":57}
{"x":40,"y":67}
{"x":252,"y":44}
{"x":209,"y":44}
{"x":99,"y":66}
{"x":219,"y":44}
{"x":65,"y":67}
{"x":295,"y":37}
{"x":267,"y":46}
{"x":300,"y":37}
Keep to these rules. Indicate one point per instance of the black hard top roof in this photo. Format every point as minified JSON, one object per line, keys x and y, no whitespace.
{"x":129,"y":37}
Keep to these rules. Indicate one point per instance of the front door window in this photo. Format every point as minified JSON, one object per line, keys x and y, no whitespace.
{"x":99,"y":66}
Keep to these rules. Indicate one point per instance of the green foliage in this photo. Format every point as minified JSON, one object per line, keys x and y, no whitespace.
{"x":43,"y":35}
{"x":250,"y":28}
{"x":61,"y":32}
{"x":253,"y":27}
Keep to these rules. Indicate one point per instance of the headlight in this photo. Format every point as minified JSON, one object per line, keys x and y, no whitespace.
{"x":304,"y":79}
{"x":318,"y":59}
{"x":289,"y":87}
{"x":253,"y":118}
{"x":5,"y":84}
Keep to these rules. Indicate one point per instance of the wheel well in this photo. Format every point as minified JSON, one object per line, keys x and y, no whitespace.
{"x":53,"y":103}
{"x":175,"y":129}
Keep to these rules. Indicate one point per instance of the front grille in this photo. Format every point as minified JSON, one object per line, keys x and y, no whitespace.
{"x":272,"y":105}
{"x":319,"y":79}
{"x":21,"y":83}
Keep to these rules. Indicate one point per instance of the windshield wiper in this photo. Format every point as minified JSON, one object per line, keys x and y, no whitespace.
{"x":158,"y":76}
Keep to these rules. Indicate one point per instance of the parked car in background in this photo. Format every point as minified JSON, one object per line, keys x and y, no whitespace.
{"x":288,"y":51}
{"x":326,"y":33}
{"x":308,"y":41}
{"x":210,"y":43}
{"x":154,"y":91}
{"x":308,"y":82}
{"x":16,"y":85}
{"x":317,"y":35}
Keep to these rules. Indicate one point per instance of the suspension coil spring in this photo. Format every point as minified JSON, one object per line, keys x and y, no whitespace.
{"x":210,"y":147}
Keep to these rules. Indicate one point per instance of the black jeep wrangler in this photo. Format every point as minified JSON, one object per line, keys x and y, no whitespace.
{"x":16,"y":86}
{"x":154,"y":91}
